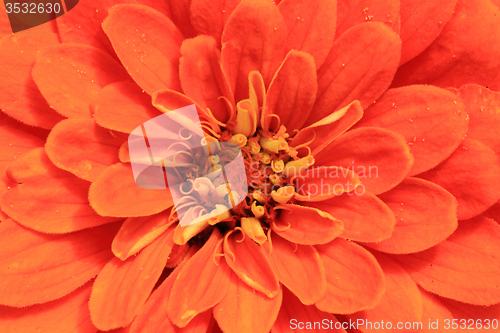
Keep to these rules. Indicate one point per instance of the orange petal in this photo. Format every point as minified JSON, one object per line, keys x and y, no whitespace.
{"x":38,"y":268}
{"x":433,"y":310}
{"x":70,"y":76}
{"x":122,"y":287}
{"x":14,"y":143}
{"x":425,"y":216}
{"x":381,"y":158}
{"x":243,"y":310}
{"x":152,"y":317}
{"x":253,"y":39}
{"x":465,"y":267}
{"x":48,"y":199}
{"x":355,"y":280}
{"x":20,"y":97}
{"x":493,"y":212}
{"x":180,"y":11}
{"x":431,"y":119}
{"x":82,"y":23}
{"x":138,"y":232}
{"x":91,"y":148}
{"x":299,"y":268}
{"x":156,"y":65}
{"x":366,"y":218}
{"x":115,"y":193}
{"x":295,"y":315}
{"x":121,"y":106}
{"x":475,"y":191}
{"x":350,"y":13}
{"x":482,"y":106}
{"x":246,"y":259}
{"x":321,"y":183}
{"x":201,"y":284}
{"x":168,"y":100}
{"x":320,"y":134}
{"x":401,"y":302}
{"x":209,"y":17}
{"x":421,"y":24}
{"x":202,"y":78}
{"x":360,"y":66}
{"x":311,"y":26}
{"x":68,"y":314}
{"x":292,"y":92}
{"x":304,"y":225}
{"x":473,"y":316}
{"x":465,"y":51}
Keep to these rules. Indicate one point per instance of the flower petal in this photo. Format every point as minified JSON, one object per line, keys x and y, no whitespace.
{"x":292,"y":92}
{"x":360,"y":66}
{"x":493,"y":212}
{"x":366,"y":218}
{"x":465,"y":51}
{"x":20,"y":96}
{"x":311,"y":26}
{"x":82,"y":24}
{"x":465,"y":267}
{"x":70,"y":76}
{"x":350,"y":13}
{"x":138,"y":232}
{"x":320,"y":134}
{"x":115,"y":193}
{"x":201,"y":284}
{"x":482,"y":106}
{"x":131,"y":28}
{"x":121,"y":106}
{"x":475,"y":191}
{"x":95,"y":148}
{"x":473,"y":314}
{"x":425,"y":216}
{"x":180,"y":11}
{"x":401,"y":301}
{"x":202,"y":78}
{"x":38,"y":268}
{"x":14,"y":143}
{"x":431,"y":119}
{"x":246,"y":311}
{"x":68,"y":314}
{"x":294,"y":314}
{"x":321,"y":183}
{"x":152,"y":315}
{"x":48,"y":199}
{"x":253,"y":39}
{"x":381,"y":158}
{"x":122,"y":287}
{"x":248,"y":262}
{"x":355,"y":280}
{"x":421,"y":24}
{"x":304,"y":225}
{"x":433,"y":311}
{"x":299,"y":268}
{"x":209,"y":17}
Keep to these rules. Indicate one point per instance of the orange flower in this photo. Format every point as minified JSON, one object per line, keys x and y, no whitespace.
{"x":372,"y":195}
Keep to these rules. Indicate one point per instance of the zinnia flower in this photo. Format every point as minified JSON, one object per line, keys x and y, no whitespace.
{"x":369,"y":133}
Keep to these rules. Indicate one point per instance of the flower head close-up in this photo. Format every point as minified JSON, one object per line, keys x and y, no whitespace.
{"x":251,"y":166}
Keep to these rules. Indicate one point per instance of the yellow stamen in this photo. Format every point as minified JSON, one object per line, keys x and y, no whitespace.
{"x":275,"y":179}
{"x":258,"y":211}
{"x":283,"y":194}
{"x":246,"y":118}
{"x":253,"y":145}
{"x":273,"y":145}
{"x":220,"y":213}
{"x":253,"y":229}
{"x":257,"y":195}
{"x":277,"y":166}
{"x":295,"y":168}
{"x":183,"y":234}
{"x":239,"y":139}
{"x":265,"y":158}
